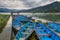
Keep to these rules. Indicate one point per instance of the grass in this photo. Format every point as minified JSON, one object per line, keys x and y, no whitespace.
{"x":51,"y":17}
{"x":3,"y":21}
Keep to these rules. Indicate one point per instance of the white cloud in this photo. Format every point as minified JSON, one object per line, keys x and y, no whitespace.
{"x":57,"y":0}
{"x":24,"y":4}
{"x":12,"y":4}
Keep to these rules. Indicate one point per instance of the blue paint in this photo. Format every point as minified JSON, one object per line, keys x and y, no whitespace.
{"x":16,"y":24}
{"x":54,"y":26}
{"x":19,"y":34}
{"x":39,"y":29}
{"x":53,"y":36}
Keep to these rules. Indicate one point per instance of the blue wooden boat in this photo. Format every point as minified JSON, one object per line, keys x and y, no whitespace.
{"x":25,"y":31}
{"x":44,"y":33}
{"x":54,"y":26}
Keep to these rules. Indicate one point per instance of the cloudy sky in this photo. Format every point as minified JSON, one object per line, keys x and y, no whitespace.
{"x":23,"y":4}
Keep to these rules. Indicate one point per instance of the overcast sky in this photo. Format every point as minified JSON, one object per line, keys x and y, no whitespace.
{"x":23,"y":4}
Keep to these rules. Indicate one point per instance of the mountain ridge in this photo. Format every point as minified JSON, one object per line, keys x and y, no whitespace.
{"x":53,"y":7}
